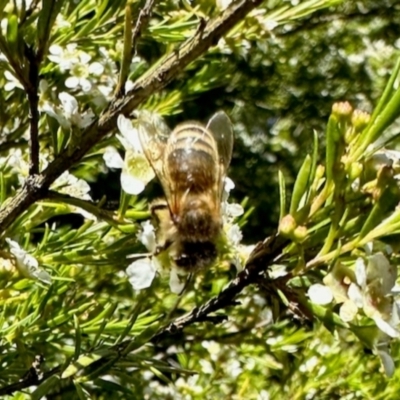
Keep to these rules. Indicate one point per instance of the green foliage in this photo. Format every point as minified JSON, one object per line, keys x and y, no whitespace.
{"x":319,"y":321}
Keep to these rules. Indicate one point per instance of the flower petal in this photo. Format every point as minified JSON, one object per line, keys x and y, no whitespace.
{"x":138,"y":172}
{"x":176,"y":283}
{"x":96,"y":68}
{"x":141,"y":273}
{"x":72,"y":82}
{"x":69,"y":104}
{"x":86,"y":85}
{"x":338,"y":280}
{"x":112,"y":158}
{"x":348,"y":311}
{"x":361,"y":274}
{"x":379,"y":268}
{"x":320,"y":294}
{"x":27,"y":264}
{"x":130,"y":134}
{"x":147,"y":236}
{"x":355,"y":295}
{"x":386,"y":327}
{"x":130,"y":184}
{"x":233,"y":210}
{"x":387,"y":362}
{"x":228,"y":186}
{"x":234,"y":234}
{"x":44,"y":276}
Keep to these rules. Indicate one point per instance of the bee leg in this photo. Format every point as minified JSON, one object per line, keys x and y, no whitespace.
{"x":185,"y":287}
{"x":160,"y":248}
{"x":158,"y":207}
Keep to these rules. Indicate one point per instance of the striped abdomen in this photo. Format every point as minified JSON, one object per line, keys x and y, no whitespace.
{"x":192,"y":158}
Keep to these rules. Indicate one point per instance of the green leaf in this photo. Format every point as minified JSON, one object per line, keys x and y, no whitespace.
{"x":45,"y":387}
{"x":301,"y":185}
{"x":81,"y":363}
{"x":83,"y":394}
{"x":387,"y":201}
{"x":332,"y":138}
{"x":384,"y":115}
{"x":112,"y":387}
{"x":282,"y":195}
{"x":12,"y":31}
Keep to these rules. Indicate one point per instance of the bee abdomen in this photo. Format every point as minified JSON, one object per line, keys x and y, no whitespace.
{"x":192,"y":158}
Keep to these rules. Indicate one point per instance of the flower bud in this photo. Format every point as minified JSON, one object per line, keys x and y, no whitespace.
{"x":287,"y":225}
{"x":342,"y":109}
{"x":360,"y":120}
{"x":355,"y":170}
{"x":300,"y":234}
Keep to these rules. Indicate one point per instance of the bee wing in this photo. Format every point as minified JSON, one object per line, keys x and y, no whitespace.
{"x":221,"y":127}
{"x":153,"y":135}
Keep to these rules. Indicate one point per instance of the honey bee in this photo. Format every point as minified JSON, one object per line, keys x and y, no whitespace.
{"x":191,"y":163}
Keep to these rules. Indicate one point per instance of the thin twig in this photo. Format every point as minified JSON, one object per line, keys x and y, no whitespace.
{"x":130,"y":41}
{"x":263,"y":255}
{"x":88,"y":206}
{"x":33,"y":100}
{"x":141,"y":23}
{"x":152,"y":82}
{"x":31,"y":380}
{"x":29,"y":12}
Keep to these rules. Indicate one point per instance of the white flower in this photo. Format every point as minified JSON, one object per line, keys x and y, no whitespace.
{"x":213,"y":347}
{"x":112,"y":158}
{"x":368,"y":287}
{"x":69,"y":184}
{"x":147,"y":236}
{"x":141,"y":273}
{"x":81,"y":73}
{"x":376,"y":280}
{"x":241,"y":255}
{"x":309,"y":364}
{"x":77,"y":62}
{"x":78,"y":188}
{"x":26,"y":264}
{"x":233,"y":368}
{"x":234,"y":234}
{"x":68,"y":114}
{"x":228,"y":186}
{"x":106,"y":80}
{"x":12,"y":83}
{"x":320,"y":294}
{"x":348,"y":311}
{"x":136,"y":170}
{"x":206,"y":367}
{"x":233,"y":210}
{"x":18,"y":165}
{"x":129,"y":135}
{"x":66,"y":58}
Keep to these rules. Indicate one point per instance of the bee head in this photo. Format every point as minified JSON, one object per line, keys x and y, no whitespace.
{"x":196,"y":256}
